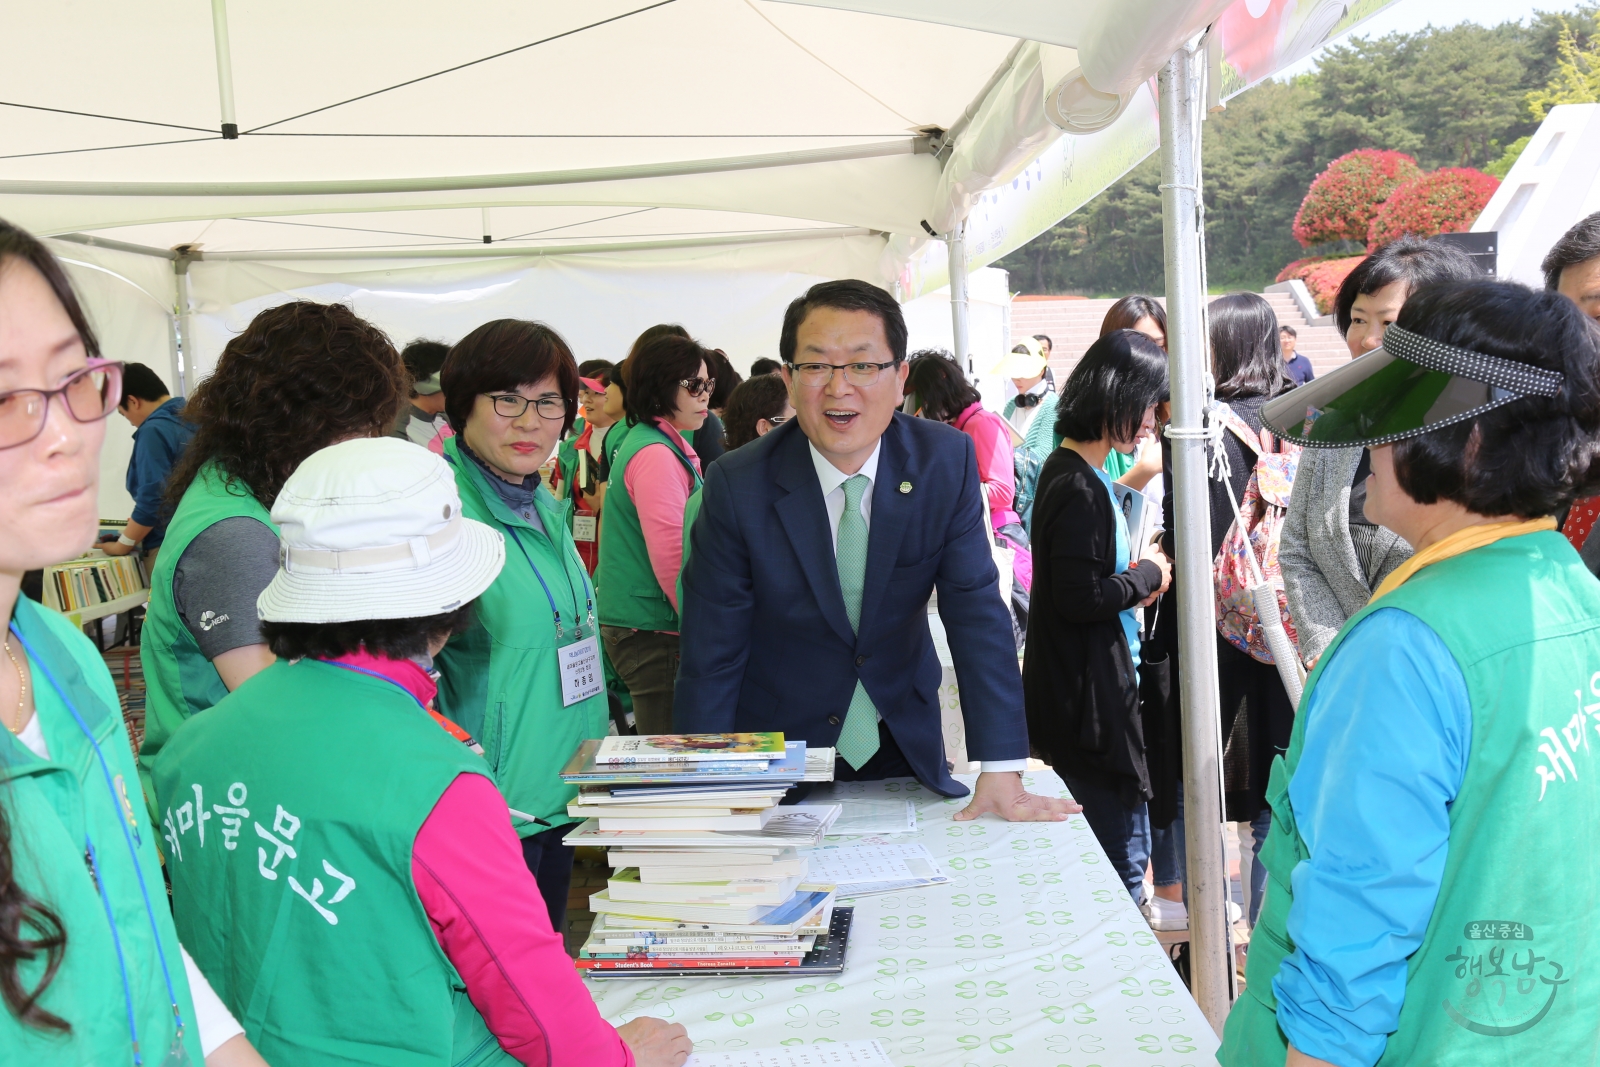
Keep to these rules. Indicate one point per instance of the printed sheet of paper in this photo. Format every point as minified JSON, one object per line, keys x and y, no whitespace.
{"x":829,"y":1054}
{"x":875,"y":815}
{"x":861,"y":870}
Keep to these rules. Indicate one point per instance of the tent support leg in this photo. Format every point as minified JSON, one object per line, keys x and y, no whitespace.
{"x":184,"y":357}
{"x":219,"y":33}
{"x":956,"y":242}
{"x":1211,"y":953}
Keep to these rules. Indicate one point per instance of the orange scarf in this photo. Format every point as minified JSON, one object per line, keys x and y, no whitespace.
{"x":1460,"y":542}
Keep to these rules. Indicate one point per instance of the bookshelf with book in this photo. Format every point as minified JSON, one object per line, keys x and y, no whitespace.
{"x":94,"y":586}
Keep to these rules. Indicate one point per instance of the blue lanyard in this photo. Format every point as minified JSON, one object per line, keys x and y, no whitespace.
{"x":177,"y":1054}
{"x":554,"y":611}
{"x":588,"y":596}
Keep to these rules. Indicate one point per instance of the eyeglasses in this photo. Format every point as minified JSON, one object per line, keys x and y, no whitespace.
{"x":779,"y":420}
{"x":815,"y":375}
{"x":698,"y":387}
{"x":512,"y":405}
{"x":90,"y":395}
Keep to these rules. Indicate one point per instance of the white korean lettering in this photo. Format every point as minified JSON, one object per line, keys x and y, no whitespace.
{"x":233,"y":817}
{"x":312,"y":897}
{"x":281,"y":849}
{"x":170,"y":832}
{"x":345,"y":889}
{"x":200,"y":813}
{"x":185,"y":815}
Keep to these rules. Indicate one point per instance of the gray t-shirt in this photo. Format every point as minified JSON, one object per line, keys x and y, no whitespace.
{"x":217,"y":580}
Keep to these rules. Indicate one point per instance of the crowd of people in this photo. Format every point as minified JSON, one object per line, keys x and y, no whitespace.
{"x":391,"y":592}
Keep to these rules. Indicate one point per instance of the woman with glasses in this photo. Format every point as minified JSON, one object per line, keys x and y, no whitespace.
{"x":641,"y":547}
{"x":299,"y":378}
{"x":526,"y":677}
{"x":90,"y":966}
{"x":757,"y":407}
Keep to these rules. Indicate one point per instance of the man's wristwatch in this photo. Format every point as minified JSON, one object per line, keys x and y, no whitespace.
{"x":124,"y":539}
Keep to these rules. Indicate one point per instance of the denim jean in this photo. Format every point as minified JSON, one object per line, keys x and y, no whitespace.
{"x":1169,"y":852}
{"x":1122,"y":831}
{"x":1259,"y":826}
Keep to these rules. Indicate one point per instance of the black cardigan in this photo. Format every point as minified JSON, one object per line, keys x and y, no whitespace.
{"x":1078,"y":677}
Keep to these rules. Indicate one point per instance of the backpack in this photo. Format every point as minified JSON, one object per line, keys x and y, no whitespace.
{"x":1254,"y":544}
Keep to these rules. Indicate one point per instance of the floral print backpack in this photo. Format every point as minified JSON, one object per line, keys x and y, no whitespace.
{"x":1249,"y":551}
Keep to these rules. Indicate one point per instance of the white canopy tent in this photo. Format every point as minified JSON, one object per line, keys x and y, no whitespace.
{"x":615,"y":163}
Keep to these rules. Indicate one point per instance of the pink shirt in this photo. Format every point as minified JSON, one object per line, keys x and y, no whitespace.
{"x":659,"y":488}
{"x":491,"y":922}
{"x":992,"y":439}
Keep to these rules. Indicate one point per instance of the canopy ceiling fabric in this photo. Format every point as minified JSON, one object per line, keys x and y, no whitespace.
{"x":386,"y":129}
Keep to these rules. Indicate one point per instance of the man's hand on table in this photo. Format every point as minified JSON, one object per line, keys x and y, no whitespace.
{"x":1002,"y":794}
{"x":655,"y":1042}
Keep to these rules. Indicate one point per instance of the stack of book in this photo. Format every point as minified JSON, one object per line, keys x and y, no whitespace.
{"x":708,"y":869}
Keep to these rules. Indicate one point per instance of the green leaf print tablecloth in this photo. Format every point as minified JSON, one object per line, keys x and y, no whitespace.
{"x":1034,"y":956}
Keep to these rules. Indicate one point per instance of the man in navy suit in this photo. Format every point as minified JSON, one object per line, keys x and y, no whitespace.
{"x":816,"y":549}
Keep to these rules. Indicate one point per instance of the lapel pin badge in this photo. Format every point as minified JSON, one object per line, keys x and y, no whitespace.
{"x":905,"y":487}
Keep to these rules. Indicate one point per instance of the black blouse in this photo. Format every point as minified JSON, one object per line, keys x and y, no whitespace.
{"x":1079,"y":680}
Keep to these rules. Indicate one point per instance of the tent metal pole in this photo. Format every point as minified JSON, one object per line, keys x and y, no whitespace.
{"x":219,"y":34}
{"x":1181,"y":96}
{"x":184,"y":357}
{"x":956,"y":243}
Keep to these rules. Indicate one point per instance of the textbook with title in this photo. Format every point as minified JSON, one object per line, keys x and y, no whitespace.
{"x":695,"y":748}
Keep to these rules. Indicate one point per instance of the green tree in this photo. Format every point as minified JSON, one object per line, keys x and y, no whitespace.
{"x":1575,"y":80}
{"x":1450,"y":97}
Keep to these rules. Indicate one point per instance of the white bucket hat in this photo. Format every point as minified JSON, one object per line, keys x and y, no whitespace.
{"x":372,"y":529}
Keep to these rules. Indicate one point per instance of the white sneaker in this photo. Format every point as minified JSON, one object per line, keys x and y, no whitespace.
{"x":1171,"y":915}
{"x":1167,"y":914}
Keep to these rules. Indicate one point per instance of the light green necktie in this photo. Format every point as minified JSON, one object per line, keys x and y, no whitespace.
{"x":858,"y":739}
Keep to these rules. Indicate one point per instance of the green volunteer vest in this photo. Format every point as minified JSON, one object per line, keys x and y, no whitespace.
{"x":626,"y":585}
{"x":291,"y":869}
{"x":179,"y":680}
{"x":1504,"y":975}
{"x":501,"y":679}
{"x":53,"y":806}
{"x":567,"y":457}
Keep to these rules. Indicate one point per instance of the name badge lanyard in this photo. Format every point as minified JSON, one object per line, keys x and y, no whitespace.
{"x":177,"y":1055}
{"x":578,"y":661}
{"x":555,"y":611}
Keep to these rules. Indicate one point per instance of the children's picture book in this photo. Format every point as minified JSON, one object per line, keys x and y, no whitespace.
{"x":697,"y":748}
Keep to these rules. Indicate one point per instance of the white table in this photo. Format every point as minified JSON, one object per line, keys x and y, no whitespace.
{"x":1034,"y":957}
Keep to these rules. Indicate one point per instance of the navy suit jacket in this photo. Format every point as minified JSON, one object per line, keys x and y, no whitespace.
{"x":767,"y":643}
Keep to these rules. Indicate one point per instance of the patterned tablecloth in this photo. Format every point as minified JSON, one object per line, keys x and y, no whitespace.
{"x":1034,"y":956}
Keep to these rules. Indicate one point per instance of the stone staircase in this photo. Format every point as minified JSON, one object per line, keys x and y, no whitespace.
{"x":1073,"y":324}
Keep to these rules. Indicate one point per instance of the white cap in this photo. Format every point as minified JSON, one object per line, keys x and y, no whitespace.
{"x":372,"y":529}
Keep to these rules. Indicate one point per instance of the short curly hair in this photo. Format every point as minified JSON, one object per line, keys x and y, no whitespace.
{"x":394,"y":638}
{"x":300,"y":377}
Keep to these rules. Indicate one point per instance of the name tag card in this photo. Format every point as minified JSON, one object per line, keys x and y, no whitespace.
{"x":581,"y":677}
{"x":585,"y":527}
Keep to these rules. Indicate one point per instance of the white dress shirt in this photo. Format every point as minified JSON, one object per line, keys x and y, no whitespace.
{"x":832,"y":481}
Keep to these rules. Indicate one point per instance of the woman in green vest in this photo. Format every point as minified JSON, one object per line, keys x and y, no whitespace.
{"x":1430,"y":863}
{"x":526,"y":677}
{"x":91,"y":971}
{"x":641,"y":549}
{"x":301,"y":376}
{"x":379,"y":910}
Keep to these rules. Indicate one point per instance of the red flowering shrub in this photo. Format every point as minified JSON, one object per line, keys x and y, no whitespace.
{"x":1447,"y":201}
{"x":1344,"y":198}
{"x":1322,"y":276}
